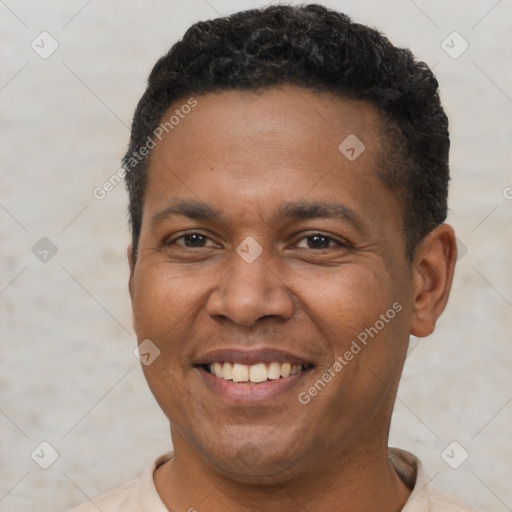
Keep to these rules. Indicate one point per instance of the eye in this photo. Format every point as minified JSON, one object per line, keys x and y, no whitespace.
{"x":198,"y":240}
{"x":191,"y":240}
{"x":320,"y":241}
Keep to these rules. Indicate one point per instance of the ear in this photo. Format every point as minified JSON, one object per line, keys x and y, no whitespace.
{"x":433,"y":267}
{"x":131,"y":263}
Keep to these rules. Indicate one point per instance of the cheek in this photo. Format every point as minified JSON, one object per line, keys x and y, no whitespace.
{"x":163,"y":304}
{"x":163,"y":300}
{"x":347,"y":299}
{"x":360,"y":315}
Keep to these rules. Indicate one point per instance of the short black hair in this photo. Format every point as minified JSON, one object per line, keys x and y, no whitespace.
{"x":321,"y":49}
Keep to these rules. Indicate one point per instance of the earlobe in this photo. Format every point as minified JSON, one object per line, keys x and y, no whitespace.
{"x":433,"y":269}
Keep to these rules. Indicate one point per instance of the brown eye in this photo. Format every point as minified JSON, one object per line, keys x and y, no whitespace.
{"x":194,"y":240}
{"x":191,"y":240}
{"x":319,"y":241}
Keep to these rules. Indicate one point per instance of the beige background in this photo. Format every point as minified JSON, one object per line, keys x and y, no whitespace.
{"x":68,"y":375}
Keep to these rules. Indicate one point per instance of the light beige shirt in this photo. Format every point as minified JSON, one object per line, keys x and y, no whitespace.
{"x":140,"y":495}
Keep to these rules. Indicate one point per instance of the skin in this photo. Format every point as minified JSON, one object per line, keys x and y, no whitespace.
{"x":247,"y":153}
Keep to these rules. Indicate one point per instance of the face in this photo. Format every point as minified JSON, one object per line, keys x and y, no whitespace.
{"x":265,"y":250}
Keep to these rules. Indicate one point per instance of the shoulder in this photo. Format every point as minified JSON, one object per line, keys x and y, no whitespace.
{"x":444,"y":502}
{"x":138,"y":495}
{"x":113,"y":501}
{"x":425,"y":496}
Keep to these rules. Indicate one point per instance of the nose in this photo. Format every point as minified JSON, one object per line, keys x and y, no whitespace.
{"x":251,"y":291}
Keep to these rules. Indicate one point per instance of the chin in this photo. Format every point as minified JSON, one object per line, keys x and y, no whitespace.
{"x":259,"y":462}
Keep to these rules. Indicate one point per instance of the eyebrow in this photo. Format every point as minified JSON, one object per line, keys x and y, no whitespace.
{"x":187,"y":208}
{"x":302,"y":210}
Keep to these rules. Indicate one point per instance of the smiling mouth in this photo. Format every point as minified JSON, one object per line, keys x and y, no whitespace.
{"x":255,"y":373}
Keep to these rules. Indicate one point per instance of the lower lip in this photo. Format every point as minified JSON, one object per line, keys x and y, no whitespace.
{"x":250,"y":393}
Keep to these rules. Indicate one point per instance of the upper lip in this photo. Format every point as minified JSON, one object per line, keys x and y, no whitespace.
{"x":250,"y":357}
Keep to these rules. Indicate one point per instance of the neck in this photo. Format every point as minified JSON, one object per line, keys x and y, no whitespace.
{"x":362,"y":480}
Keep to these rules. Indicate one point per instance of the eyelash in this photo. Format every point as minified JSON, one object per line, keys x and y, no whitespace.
{"x":311,"y":235}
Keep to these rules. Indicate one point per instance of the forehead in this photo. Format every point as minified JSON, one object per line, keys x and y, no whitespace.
{"x":300,"y":120}
{"x":239,"y":148}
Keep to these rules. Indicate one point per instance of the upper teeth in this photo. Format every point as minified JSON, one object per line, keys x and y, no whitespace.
{"x":259,"y":372}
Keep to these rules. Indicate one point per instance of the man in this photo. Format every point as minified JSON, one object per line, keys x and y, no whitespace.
{"x":287,"y":175}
